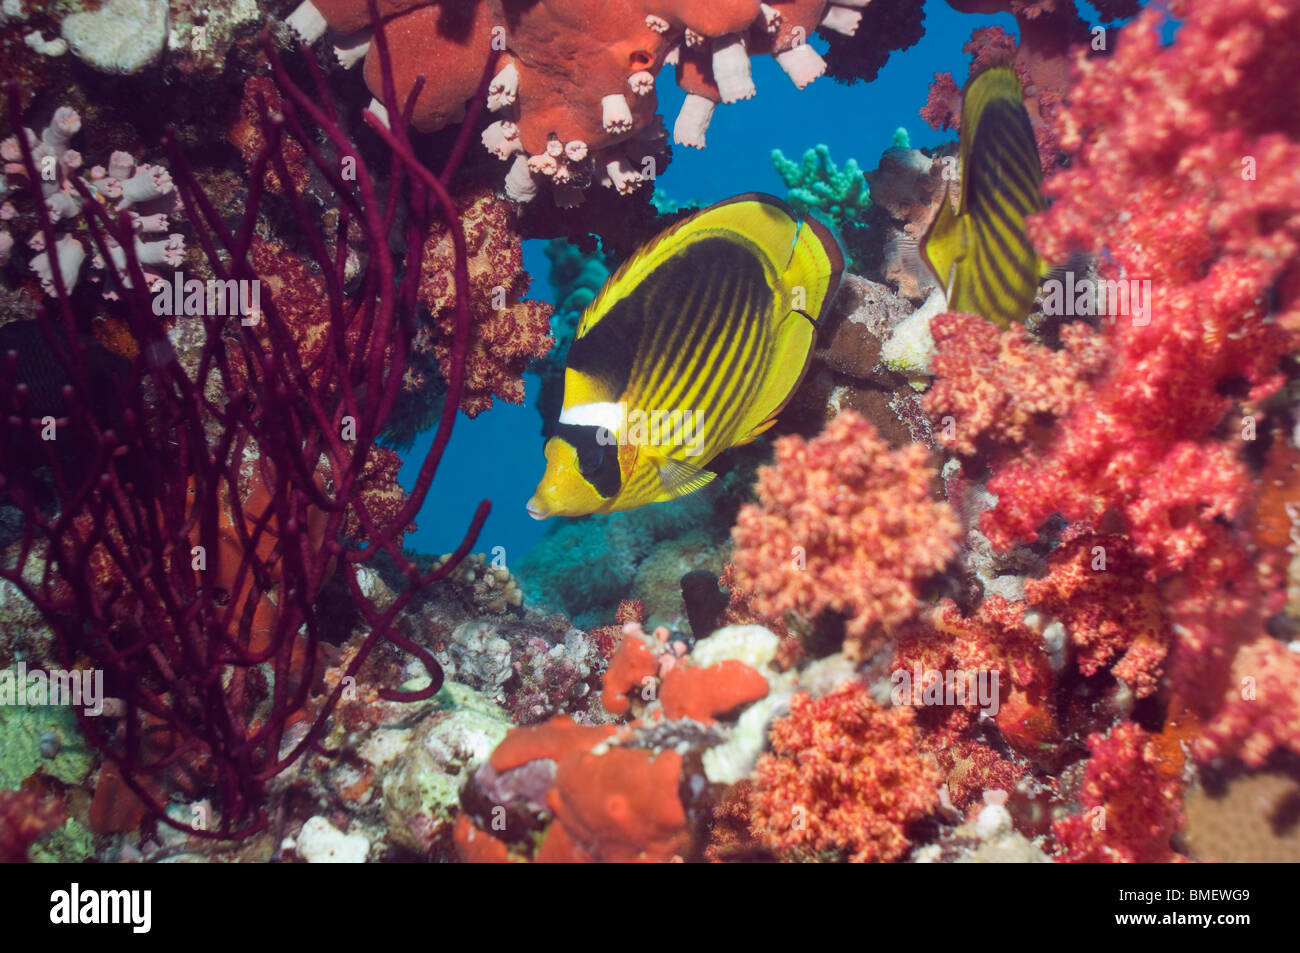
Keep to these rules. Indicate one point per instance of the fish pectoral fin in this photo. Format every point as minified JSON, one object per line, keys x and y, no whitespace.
{"x":680,"y":478}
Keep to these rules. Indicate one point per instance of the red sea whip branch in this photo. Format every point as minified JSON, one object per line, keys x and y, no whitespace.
{"x":183,"y":689}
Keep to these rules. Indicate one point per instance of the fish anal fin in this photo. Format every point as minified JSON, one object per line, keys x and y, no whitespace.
{"x":758,"y":431}
{"x":680,"y":478}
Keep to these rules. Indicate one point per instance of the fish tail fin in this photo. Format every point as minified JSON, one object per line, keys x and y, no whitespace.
{"x":816,"y":266}
{"x":811,"y":278}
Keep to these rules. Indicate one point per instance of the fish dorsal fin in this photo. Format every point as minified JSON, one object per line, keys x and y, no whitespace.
{"x":678,"y":477}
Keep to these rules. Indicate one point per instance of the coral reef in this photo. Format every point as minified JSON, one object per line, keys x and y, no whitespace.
{"x":981,"y":596}
{"x":1132,"y":806}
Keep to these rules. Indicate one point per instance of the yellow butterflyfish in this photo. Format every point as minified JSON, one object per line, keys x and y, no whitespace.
{"x":692,"y":347}
{"x":981,"y":254}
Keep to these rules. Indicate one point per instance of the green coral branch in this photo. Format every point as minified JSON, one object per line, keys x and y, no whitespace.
{"x":816,"y":183}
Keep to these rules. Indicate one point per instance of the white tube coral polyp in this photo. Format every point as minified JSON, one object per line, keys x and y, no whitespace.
{"x":149,"y":182}
{"x":63,"y":126}
{"x":520,"y":186}
{"x":307,"y":22}
{"x":771,"y":17}
{"x":731,"y":69}
{"x":642,"y":82}
{"x":62,"y":205}
{"x":351,"y":50}
{"x":504,"y":88}
{"x":693,"y":121}
{"x":380,"y":111}
{"x":622,"y":177}
{"x":615,"y":113}
{"x":502,"y":139}
{"x":170,"y":251}
{"x":69,"y":253}
{"x":120,"y":166}
{"x":842,"y":20}
{"x":576,"y":150}
{"x":802,"y":64}
{"x":543,"y":164}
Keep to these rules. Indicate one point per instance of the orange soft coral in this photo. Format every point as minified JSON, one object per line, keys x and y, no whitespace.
{"x":620,"y":806}
{"x":844,"y":779}
{"x":703,"y":693}
{"x":614,"y":804}
{"x":846,"y":524}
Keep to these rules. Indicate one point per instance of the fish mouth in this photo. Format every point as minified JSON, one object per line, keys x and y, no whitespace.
{"x":536,"y":510}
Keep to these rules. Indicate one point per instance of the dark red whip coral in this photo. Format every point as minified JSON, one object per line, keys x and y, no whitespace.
{"x":188,"y":545}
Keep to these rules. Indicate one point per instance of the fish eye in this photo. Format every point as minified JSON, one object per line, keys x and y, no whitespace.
{"x":590,"y":458}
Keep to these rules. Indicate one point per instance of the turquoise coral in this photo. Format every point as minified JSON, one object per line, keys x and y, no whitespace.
{"x":815,"y":183}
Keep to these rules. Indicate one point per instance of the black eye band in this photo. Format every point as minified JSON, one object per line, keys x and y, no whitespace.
{"x":597,"y":460}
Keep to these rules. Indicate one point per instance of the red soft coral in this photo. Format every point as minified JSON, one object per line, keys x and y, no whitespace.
{"x":1132,"y":806}
{"x":1097,"y":589}
{"x":999,"y":386}
{"x":844,"y":778}
{"x":25,"y":816}
{"x":1261,"y":711}
{"x":1182,"y":175}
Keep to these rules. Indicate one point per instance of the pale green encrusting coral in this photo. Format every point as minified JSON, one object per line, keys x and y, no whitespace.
{"x":422,"y":796}
{"x":42,"y":738}
{"x":910,"y":348}
{"x":73,"y":843}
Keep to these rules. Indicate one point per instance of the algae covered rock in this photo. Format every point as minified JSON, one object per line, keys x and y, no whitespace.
{"x":422,"y":789}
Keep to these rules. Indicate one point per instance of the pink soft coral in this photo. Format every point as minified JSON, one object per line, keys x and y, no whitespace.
{"x":1000,"y":386}
{"x":1185,"y":176}
{"x":1114,"y":616}
{"x":843,"y":778}
{"x":843,"y":523}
